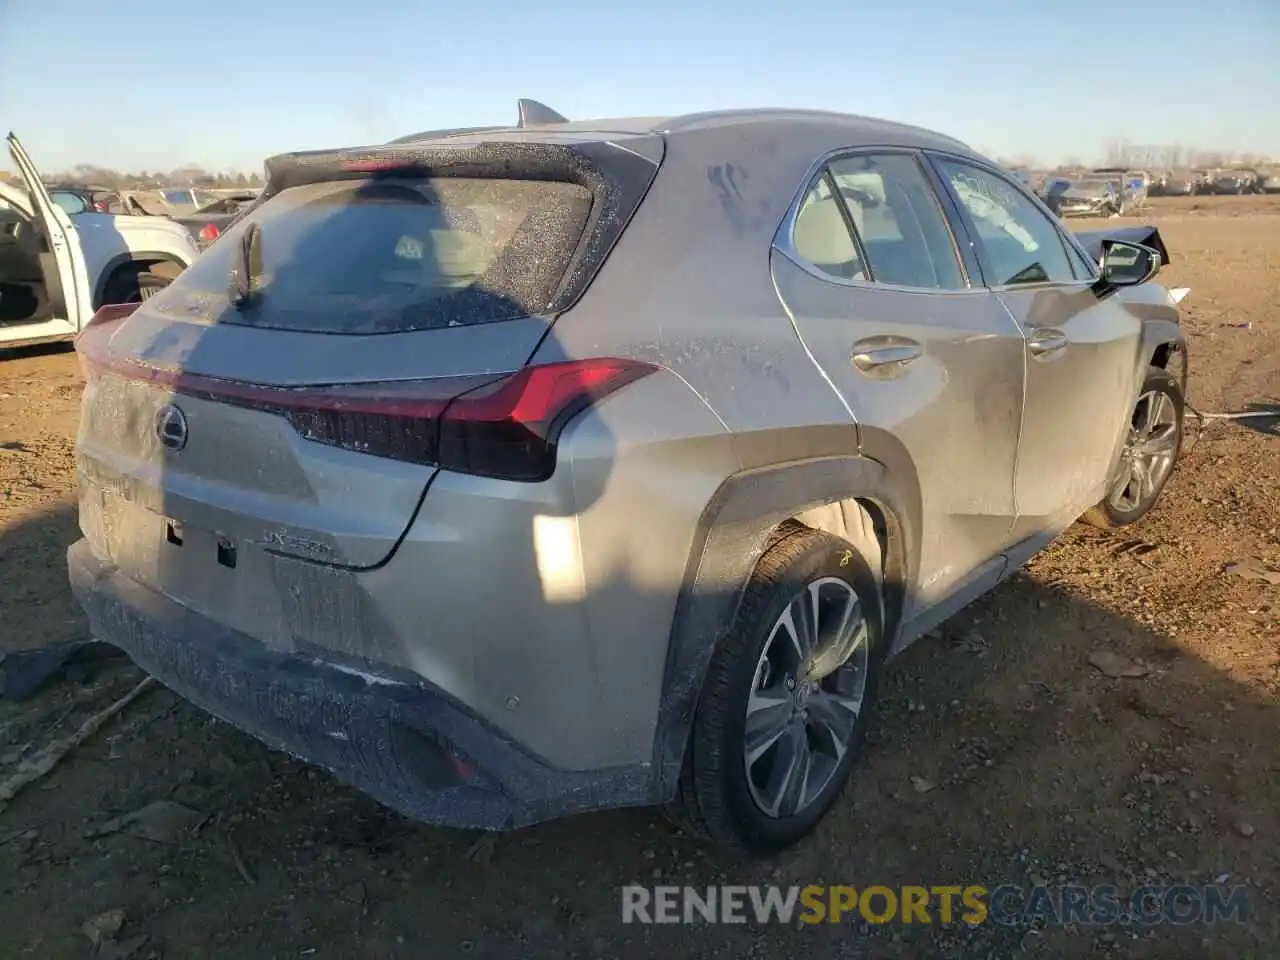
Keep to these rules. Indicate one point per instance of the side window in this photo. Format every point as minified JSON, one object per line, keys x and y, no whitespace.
{"x":1021,"y":243}
{"x":901,"y":236}
{"x":903,"y":233}
{"x":72,"y":203}
{"x":822,"y":235}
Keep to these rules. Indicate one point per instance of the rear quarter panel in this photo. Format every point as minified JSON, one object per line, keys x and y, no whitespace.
{"x":546,"y":607}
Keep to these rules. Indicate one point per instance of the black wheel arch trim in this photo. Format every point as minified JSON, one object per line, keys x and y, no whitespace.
{"x":109,"y":269}
{"x":1164,"y":343}
{"x":732,"y":535}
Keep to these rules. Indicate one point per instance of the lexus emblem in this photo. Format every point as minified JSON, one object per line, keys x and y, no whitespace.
{"x":171,"y":426}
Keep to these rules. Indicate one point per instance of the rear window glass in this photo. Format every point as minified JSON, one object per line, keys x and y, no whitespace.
{"x":386,"y":255}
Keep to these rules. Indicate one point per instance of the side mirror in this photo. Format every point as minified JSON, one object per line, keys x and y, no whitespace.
{"x":1126,"y":264}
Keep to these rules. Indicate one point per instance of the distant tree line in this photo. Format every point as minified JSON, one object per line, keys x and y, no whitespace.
{"x":186,"y":176}
{"x":1119,"y":152}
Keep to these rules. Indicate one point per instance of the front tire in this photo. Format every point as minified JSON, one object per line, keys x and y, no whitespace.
{"x":787,"y":699}
{"x":1150,"y":452}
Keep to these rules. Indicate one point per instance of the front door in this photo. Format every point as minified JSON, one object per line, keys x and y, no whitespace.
{"x":929,"y":367}
{"x":62,"y":264}
{"x":1081,"y":349}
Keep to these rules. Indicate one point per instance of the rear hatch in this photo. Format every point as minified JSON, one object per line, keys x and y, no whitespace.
{"x":294,"y":391}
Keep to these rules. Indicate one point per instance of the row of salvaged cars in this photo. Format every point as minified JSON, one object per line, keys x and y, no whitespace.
{"x":1115,"y":191}
{"x":1225,"y":180}
{"x":204,"y":212}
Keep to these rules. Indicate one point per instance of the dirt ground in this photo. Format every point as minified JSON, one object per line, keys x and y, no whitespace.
{"x":1044,"y":768}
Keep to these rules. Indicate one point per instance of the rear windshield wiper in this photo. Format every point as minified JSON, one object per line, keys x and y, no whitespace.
{"x":246,"y":268}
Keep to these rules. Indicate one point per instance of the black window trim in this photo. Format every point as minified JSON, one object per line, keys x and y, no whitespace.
{"x":784,"y":238}
{"x":833,"y":185}
{"x":932,"y":159}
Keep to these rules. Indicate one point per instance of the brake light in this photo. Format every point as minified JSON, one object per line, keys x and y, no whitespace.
{"x":377,"y":166}
{"x":503,"y":426}
{"x":209,"y":233}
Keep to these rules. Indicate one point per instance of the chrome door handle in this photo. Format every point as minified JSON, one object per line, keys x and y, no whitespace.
{"x":886,"y":359}
{"x":1044,"y":343}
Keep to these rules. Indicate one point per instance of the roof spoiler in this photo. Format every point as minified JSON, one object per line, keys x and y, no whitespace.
{"x":529,"y":113}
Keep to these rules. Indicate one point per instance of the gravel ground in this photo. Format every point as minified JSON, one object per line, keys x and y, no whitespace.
{"x":1029,"y":763}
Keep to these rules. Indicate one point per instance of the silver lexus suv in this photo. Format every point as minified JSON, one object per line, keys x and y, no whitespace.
{"x":515,"y":472}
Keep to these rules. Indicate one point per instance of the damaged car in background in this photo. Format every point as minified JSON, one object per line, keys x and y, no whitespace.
{"x":515,"y":473}
{"x":1177,"y":183}
{"x":1051,"y":190}
{"x":1090,"y":197}
{"x":1237,"y":181}
{"x":207,"y":223}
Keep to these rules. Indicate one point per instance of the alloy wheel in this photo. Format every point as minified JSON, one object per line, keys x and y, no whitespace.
{"x":806,"y":697}
{"x":1148,"y":452}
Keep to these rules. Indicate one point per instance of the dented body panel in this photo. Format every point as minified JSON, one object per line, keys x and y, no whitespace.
{"x":482,"y":650}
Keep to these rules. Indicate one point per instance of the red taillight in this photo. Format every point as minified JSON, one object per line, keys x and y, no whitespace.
{"x":209,"y":233}
{"x":508,"y":428}
{"x":493,"y":426}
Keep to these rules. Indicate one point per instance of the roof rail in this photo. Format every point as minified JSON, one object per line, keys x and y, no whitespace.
{"x":535,"y":114}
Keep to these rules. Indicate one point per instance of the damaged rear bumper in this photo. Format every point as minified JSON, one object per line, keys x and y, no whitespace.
{"x":406,"y":744}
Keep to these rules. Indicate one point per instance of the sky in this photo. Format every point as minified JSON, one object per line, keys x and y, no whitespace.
{"x":226,"y":84}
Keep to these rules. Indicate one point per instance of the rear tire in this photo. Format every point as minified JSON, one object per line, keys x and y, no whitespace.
{"x":1150,"y":454}
{"x":744,"y":798}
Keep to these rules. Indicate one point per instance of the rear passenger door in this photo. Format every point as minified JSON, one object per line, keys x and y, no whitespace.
{"x":1081,"y":352}
{"x":928,"y":365}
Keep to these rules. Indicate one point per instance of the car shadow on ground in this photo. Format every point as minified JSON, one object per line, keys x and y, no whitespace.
{"x":999,"y":755}
{"x":34,"y":350}
{"x":1268,"y":425}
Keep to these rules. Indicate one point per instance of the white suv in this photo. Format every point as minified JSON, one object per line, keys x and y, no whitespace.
{"x":57,"y":269}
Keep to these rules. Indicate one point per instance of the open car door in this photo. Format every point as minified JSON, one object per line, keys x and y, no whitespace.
{"x":62,"y":264}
